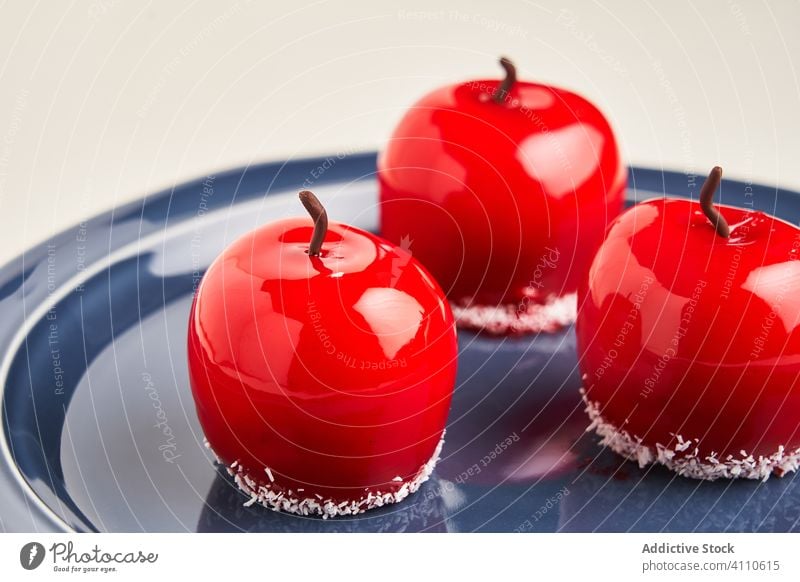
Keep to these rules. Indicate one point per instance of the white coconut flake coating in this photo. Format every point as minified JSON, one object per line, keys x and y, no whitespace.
{"x":684,"y":456}
{"x":275,"y":499}
{"x":552,"y":315}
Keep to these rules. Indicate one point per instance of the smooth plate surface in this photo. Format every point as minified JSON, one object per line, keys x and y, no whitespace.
{"x":99,"y":427}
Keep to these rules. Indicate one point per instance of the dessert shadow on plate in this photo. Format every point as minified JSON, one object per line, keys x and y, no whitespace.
{"x":102,"y":435}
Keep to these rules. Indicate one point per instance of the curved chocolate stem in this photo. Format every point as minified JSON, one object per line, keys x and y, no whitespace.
{"x":707,"y":202}
{"x":508,"y":82}
{"x":320,"y":217}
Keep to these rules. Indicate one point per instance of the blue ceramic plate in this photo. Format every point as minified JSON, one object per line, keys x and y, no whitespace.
{"x":99,"y":427}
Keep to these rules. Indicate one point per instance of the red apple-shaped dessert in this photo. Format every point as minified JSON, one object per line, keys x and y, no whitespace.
{"x":322,"y":361}
{"x":688,"y":338}
{"x":504,"y":190}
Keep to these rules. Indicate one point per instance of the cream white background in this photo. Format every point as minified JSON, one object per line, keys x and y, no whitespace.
{"x":104,"y":101}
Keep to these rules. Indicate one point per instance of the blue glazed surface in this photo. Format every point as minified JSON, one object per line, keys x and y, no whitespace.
{"x":99,"y":428}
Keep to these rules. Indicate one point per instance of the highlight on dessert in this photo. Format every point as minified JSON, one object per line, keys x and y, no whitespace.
{"x":501,"y":297}
{"x":688,"y":338}
{"x":322,"y":361}
{"x":506,"y":188}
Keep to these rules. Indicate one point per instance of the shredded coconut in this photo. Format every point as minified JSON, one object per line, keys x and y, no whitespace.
{"x":270,"y":497}
{"x":556,"y":313}
{"x":690,"y":464}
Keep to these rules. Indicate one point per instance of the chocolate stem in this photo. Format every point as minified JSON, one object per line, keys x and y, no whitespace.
{"x":320,"y":217}
{"x":508,"y":82}
{"x":707,"y":202}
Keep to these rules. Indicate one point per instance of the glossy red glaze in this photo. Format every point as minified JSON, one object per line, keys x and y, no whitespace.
{"x":683,"y":332}
{"x":336,"y":371}
{"x":505,"y":202}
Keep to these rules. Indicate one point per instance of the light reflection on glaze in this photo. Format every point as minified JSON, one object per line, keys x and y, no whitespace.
{"x":563,"y":159}
{"x":684,"y":332}
{"x":393,"y":316}
{"x":486,"y":190}
{"x":335,"y":370}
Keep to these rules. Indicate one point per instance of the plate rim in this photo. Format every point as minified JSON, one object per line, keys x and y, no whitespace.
{"x":23,"y":266}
